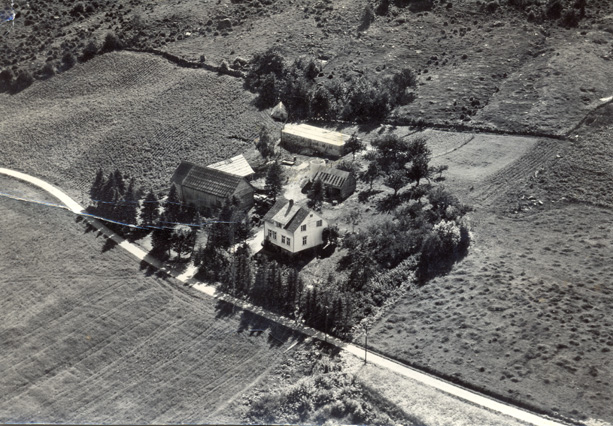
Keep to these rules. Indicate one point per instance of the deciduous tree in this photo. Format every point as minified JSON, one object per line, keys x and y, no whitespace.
{"x":274,"y":180}
{"x":354,"y":145}
{"x":316,"y":195}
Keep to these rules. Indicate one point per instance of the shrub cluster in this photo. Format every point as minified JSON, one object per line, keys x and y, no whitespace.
{"x":325,"y":398}
{"x":427,"y":221}
{"x":15,"y":80}
{"x":13,"y":83}
{"x":567,"y":13}
{"x":359,"y":99}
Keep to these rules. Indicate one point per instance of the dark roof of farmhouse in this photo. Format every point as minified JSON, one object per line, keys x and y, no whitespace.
{"x":205,"y":179}
{"x":289,"y":216}
{"x":332,"y":177}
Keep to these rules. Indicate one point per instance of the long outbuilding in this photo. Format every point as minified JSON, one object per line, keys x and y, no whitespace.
{"x":304,"y":138}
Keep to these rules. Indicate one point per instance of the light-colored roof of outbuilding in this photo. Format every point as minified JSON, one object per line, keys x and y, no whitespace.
{"x":236,"y":165}
{"x":330,"y":137}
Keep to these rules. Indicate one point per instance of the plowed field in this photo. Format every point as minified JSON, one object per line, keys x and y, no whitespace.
{"x":87,"y":337}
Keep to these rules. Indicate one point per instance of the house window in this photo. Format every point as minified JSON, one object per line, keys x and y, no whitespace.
{"x":319,"y":223}
{"x":274,"y":235}
{"x":288,"y":241}
{"x":304,"y":241}
{"x":269,"y":233}
{"x":303,"y":228}
{"x":282,"y":239}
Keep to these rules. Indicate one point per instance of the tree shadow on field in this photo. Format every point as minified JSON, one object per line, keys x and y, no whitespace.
{"x":253,"y":323}
{"x":147,"y":268}
{"x":225,"y":309}
{"x":109,"y":244}
{"x":279,"y":335}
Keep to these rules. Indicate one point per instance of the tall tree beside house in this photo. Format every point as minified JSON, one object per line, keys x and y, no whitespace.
{"x":149,"y":212}
{"x":371,"y":173}
{"x":293,"y":292}
{"x":316,"y":195}
{"x":109,"y":197}
{"x":243,"y":270}
{"x":274,"y":180}
{"x":97,"y":186}
{"x":130,"y":205}
{"x":182,"y":240}
{"x":172,"y":205}
{"x":265,"y":143}
{"x":229,"y":278}
{"x":260,"y":284}
{"x":274,"y":287}
{"x":221,"y":232}
{"x":120,"y":182}
{"x":354,"y":145}
{"x":161,"y":239}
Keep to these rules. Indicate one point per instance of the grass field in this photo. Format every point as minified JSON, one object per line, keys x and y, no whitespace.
{"x":87,"y":337}
{"x":527,"y":313}
{"x":131,"y":111}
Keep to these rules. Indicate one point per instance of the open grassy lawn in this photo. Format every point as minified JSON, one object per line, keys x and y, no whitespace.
{"x":87,"y":337}
{"x":136,"y":112}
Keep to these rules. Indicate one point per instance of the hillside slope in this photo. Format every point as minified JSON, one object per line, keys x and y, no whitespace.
{"x":136,"y":112}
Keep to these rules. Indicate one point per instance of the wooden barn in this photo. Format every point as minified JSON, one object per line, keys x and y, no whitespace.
{"x":206,"y":187}
{"x":338,"y":184}
{"x":310,"y":139}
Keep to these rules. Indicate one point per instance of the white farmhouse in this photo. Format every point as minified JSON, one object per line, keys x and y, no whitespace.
{"x":293,"y":228}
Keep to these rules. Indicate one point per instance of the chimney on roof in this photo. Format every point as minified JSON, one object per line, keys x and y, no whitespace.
{"x":289,"y":207}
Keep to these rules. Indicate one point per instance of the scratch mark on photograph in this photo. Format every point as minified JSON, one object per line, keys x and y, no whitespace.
{"x":8,"y":15}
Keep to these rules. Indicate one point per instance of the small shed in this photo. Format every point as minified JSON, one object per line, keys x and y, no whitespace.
{"x":206,"y":187}
{"x":279,"y":112}
{"x":302,"y":137}
{"x":338,"y":184}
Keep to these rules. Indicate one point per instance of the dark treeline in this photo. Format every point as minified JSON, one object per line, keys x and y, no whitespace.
{"x":280,"y":289}
{"x":359,"y":99}
{"x":116,"y":197}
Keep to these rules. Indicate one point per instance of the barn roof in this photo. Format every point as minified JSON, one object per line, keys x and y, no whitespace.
{"x":326,"y":136}
{"x":206,"y":179}
{"x":236,"y":165}
{"x":332,"y":177}
{"x":181,"y":172}
{"x":289,"y":216}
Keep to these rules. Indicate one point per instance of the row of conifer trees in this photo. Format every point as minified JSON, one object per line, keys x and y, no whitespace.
{"x":281,"y":290}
